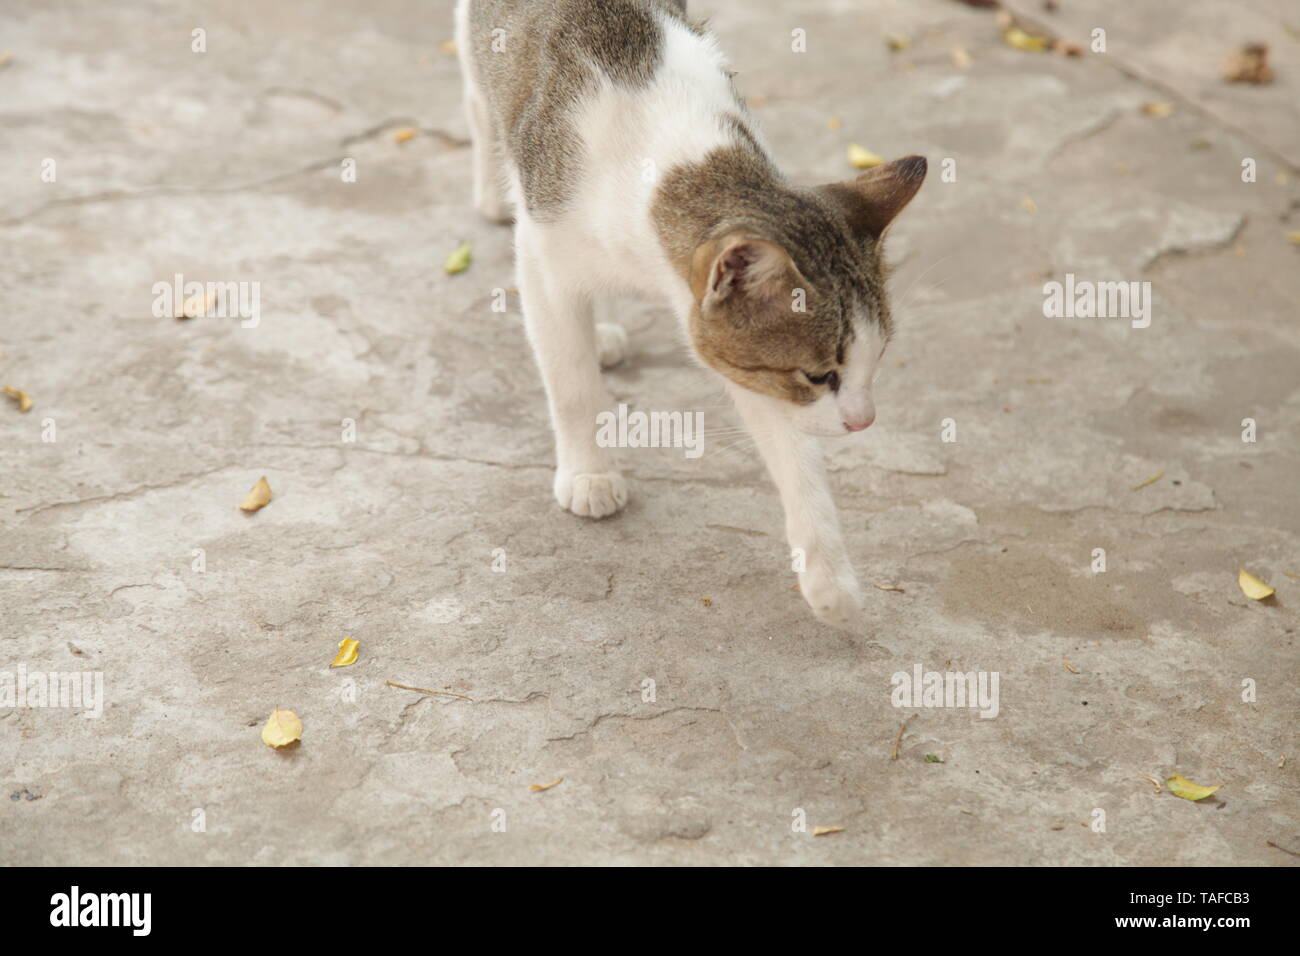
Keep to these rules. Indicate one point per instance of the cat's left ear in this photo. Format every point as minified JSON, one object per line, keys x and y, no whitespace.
{"x":873,"y":200}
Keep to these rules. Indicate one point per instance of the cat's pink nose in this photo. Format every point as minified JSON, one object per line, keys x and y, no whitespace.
{"x":859,"y":426}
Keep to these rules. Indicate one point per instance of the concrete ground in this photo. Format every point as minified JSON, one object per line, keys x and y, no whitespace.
{"x":226,"y":165}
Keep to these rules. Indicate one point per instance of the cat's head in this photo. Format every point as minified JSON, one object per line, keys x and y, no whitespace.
{"x":794,"y":306}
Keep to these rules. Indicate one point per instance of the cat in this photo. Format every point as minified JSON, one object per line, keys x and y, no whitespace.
{"x":610,"y":131}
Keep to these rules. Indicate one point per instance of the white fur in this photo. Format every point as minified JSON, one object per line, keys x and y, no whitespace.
{"x":606,"y":242}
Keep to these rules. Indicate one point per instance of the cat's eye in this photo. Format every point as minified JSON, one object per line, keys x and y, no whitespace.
{"x":831,"y":378}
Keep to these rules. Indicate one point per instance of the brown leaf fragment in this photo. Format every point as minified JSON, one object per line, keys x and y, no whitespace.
{"x":1159,"y":109}
{"x":22,"y":398}
{"x":822,"y":831}
{"x":404,"y":134}
{"x":707,"y":602}
{"x":1248,"y":64}
{"x":540,"y":787}
{"x":889,"y":587}
{"x":423,"y":690}
{"x":1153,"y":781}
{"x":898,"y":742}
{"x":1070,"y":667}
{"x":259,"y":497}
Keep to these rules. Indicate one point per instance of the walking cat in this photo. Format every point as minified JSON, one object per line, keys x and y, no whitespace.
{"x":610,"y":131}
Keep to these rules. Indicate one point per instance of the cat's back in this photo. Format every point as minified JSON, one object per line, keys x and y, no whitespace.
{"x":555,"y":72}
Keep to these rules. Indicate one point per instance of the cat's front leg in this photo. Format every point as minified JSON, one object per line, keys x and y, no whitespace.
{"x":794,"y":459}
{"x":558,"y":318}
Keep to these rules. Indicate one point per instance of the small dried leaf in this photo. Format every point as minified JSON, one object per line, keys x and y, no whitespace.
{"x":863,"y":158}
{"x":889,"y":587}
{"x":259,"y":497}
{"x":1180,"y":786}
{"x":1253,"y":587}
{"x":459,"y":260}
{"x":897,"y":42}
{"x":1248,"y":64}
{"x":1070,"y":667}
{"x":404,"y":134}
{"x":1158,"y":110}
{"x":347,"y":654}
{"x":22,"y":398}
{"x":448,"y":47}
{"x":1150,"y":481}
{"x":834,"y":123}
{"x":1020,"y":40}
{"x":539,"y":787}
{"x":707,"y":602}
{"x":282,"y":728}
{"x":1293,"y":237}
{"x":822,"y":831}
{"x":1031,"y":207}
{"x":196,"y":305}
{"x":960,"y":58}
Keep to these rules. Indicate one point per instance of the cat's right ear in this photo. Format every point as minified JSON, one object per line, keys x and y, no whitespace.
{"x":742,"y":276}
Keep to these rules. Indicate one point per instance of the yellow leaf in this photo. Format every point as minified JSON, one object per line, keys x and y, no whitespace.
{"x":1293,"y":237}
{"x":404,"y":134}
{"x":282,"y":728}
{"x":539,"y":787}
{"x":347,"y":654}
{"x":1253,"y":587}
{"x":1018,"y":38}
{"x":18,"y":395}
{"x":1180,"y":786}
{"x":196,"y":305}
{"x":259,"y":497}
{"x":459,"y":260}
{"x":1150,"y":481}
{"x":1159,"y":110}
{"x":1031,"y":207}
{"x":822,"y":831}
{"x":863,"y":158}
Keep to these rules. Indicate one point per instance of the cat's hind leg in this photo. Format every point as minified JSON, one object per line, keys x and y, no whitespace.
{"x":561,"y":330}
{"x":489,"y":174}
{"x":611,"y":344}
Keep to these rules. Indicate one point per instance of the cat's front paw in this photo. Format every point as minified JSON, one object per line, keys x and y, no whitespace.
{"x":833,"y":594}
{"x":591,"y":495}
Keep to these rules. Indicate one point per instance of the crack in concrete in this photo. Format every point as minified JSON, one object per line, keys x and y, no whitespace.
{"x":149,"y":192}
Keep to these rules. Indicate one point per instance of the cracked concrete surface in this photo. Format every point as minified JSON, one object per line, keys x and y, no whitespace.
{"x":224,"y":166}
